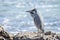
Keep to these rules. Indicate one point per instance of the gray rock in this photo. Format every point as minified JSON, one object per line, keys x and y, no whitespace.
{"x":4,"y":34}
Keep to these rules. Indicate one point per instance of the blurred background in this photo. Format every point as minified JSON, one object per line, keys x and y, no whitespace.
{"x":14,"y":18}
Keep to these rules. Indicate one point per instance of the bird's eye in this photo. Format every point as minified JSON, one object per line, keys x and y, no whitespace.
{"x":33,"y":11}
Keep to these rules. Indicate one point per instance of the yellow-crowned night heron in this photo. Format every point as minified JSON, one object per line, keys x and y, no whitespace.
{"x":37,"y":20}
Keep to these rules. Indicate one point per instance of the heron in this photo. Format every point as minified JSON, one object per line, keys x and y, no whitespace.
{"x":37,"y":20}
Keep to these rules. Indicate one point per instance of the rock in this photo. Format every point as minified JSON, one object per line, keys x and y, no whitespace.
{"x":37,"y":38}
{"x":48,"y":33}
{"x":20,"y":36}
{"x":1,"y":29}
{"x":2,"y":38}
{"x":57,"y":37}
{"x":11,"y":36}
{"x":28,"y":36}
{"x":51,"y":36}
{"x":4,"y":33}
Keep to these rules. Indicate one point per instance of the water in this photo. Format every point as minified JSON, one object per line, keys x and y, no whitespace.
{"x":14,"y":17}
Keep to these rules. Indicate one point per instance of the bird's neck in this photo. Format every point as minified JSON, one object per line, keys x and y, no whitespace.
{"x":36,"y":15}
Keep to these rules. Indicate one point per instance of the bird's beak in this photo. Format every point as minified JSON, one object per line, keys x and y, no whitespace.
{"x":28,"y":11}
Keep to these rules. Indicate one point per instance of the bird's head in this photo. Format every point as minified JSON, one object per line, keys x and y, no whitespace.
{"x":32,"y":12}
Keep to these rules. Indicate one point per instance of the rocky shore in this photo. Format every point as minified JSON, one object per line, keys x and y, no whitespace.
{"x":28,"y":35}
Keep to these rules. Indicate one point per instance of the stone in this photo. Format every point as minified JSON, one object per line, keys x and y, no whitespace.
{"x":2,"y":38}
{"x":4,"y":34}
{"x":1,"y":29}
{"x":28,"y":35}
{"x":48,"y":33}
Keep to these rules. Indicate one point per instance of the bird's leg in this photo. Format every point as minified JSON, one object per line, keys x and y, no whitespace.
{"x":40,"y":33}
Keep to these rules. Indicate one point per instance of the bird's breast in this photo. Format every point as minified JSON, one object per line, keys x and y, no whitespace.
{"x":37,"y":20}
